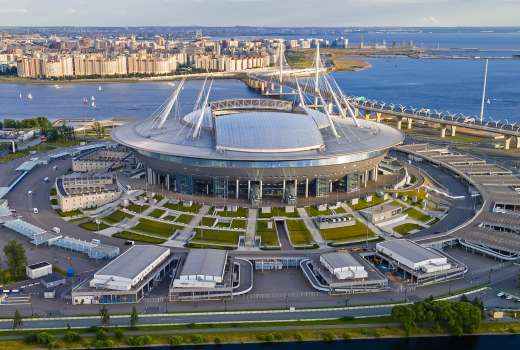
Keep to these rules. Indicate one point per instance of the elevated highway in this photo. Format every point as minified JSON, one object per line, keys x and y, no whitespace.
{"x":378,"y":111}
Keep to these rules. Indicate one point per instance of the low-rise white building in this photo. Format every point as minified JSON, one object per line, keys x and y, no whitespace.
{"x":413,"y":255}
{"x":202,"y":268}
{"x":38,"y":270}
{"x":130,"y":268}
{"x":86,"y":191}
{"x":343,"y":265}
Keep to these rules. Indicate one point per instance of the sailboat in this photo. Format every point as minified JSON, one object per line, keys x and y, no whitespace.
{"x":488,"y":101}
{"x":93,"y":104}
{"x":29,"y":96}
{"x":100,"y":88}
{"x":85,"y":100}
{"x":20,"y":96}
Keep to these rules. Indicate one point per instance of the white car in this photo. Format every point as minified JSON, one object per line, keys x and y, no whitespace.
{"x":500,"y":294}
{"x":29,"y":192}
{"x":35,"y":210}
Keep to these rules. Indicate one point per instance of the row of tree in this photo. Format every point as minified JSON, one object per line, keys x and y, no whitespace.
{"x":38,"y":123}
{"x":455,"y":317}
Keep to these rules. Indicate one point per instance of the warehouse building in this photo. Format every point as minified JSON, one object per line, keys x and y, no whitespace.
{"x":127,"y":278}
{"x":211,"y":274}
{"x":416,"y":263}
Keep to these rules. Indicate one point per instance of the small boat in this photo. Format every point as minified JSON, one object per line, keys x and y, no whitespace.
{"x":20,"y":96}
{"x":85,"y":100}
{"x":92,"y":98}
{"x":93,"y":104}
{"x":171,"y":83}
{"x":488,"y":101}
{"x":57,"y":86}
{"x":29,"y":96}
{"x":100,"y":88}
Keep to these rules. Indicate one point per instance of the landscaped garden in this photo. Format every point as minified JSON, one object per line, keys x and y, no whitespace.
{"x":156,"y":227}
{"x":356,"y":232}
{"x":363,"y":204}
{"x":92,"y":226}
{"x":136,"y":208}
{"x":298,"y":233}
{"x":417,"y":215}
{"x":157,"y":213}
{"x":213,"y":237}
{"x":117,"y":217}
{"x":279,"y":212}
{"x":138,"y":237}
{"x":406,"y":228}
{"x":195,"y":207}
{"x":268,"y":235}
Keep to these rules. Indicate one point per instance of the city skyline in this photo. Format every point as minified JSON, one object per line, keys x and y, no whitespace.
{"x":400,"y":13}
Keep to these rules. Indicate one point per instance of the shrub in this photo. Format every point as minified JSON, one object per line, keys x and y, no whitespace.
{"x":118,"y":333}
{"x":298,"y":337}
{"x":72,"y":337}
{"x":278,"y":336}
{"x":327,"y":337}
{"x":346,"y":336}
{"x":217,"y":340}
{"x":140,"y":340}
{"x":175,"y":340}
{"x":197,"y":339}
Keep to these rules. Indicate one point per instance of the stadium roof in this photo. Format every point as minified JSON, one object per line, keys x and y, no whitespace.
{"x":132,"y":262}
{"x":204,"y":262}
{"x":267,"y":132}
{"x":410,"y":250}
{"x":258,"y":135}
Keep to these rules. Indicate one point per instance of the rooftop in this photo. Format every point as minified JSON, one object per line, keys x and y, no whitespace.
{"x":409,"y":250}
{"x":132,"y":262}
{"x":339,"y":260}
{"x":206,"y":262}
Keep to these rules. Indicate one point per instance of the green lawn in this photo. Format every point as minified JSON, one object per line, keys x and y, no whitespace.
{"x":184,"y":218}
{"x":420,"y":194}
{"x":156,"y":227}
{"x":68,"y":213}
{"x":170,"y":217}
{"x":347,"y":233}
{"x":223,"y":224}
{"x":268,"y":235}
{"x":138,"y":237}
{"x":92,"y":226}
{"x":340,"y":210}
{"x":362,"y":204}
{"x":136,"y":208}
{"x":299,"y":233}
{"x":279,"y":212}
{"x":117,"y":216}
{"x":404,"y":229}
{"x":208,"y":221}
{"x":195,"y":207}
{"x":397,"y":204}
{"x":156,"y":213}
{"x":313,"y":211}
{"x":417,"y":215}
{"x":222,"y":237}
{"x":240,"y":213}
{"x":239,"y":224}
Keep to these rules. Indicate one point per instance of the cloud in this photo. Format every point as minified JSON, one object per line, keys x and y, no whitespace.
{"x":8,"y":11}
{"x":431,"y":20}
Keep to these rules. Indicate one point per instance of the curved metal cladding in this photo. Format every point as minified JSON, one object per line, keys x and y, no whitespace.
{"x":333,"y":168}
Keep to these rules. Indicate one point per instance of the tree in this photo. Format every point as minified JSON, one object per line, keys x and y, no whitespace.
{"x":405,"y":315}
{"x":17,"y":320}
{"x":134,"y":317}
{"x":105,"y":316}
{"x":16,"y":259}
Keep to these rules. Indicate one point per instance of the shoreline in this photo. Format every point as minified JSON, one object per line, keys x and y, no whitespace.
{"x":220,"y":337}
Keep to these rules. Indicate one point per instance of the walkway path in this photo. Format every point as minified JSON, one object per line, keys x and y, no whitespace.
{"x":251,"y":228}
{"x":316,"y":235}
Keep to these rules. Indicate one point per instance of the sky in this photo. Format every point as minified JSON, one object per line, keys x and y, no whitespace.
{"x":283,"y":13}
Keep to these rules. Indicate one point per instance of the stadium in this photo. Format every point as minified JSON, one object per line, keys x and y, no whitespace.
{"x":257,"y":148}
